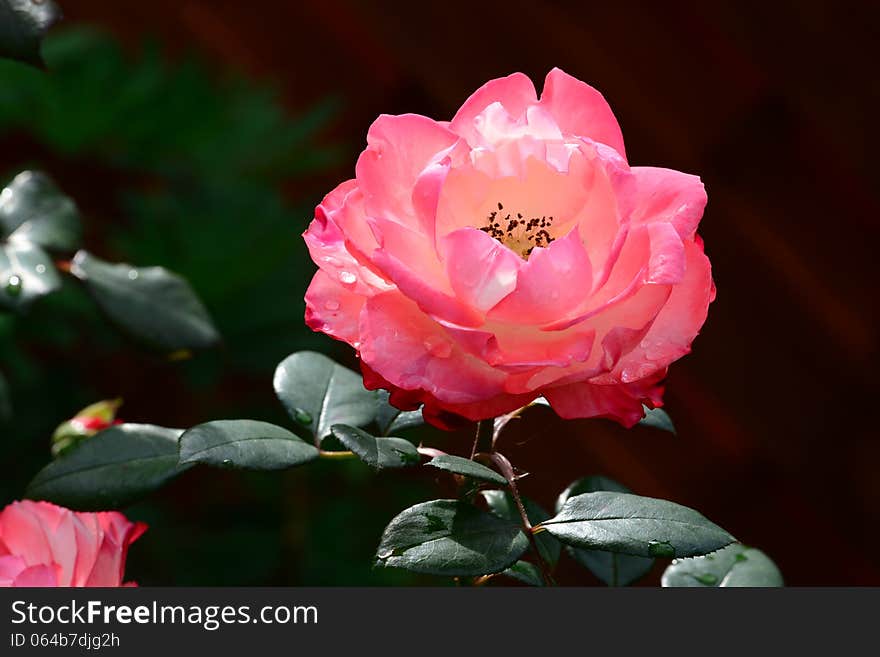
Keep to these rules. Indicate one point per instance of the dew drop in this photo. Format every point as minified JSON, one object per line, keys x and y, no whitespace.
{"x":384,"y":554}
{"x":133,"y":274}
{"x":40,"y":269}
{"x":660,"y":549}
{"x":331,"y":305}
{"x":14,"y":285}
{"x":347,"y":278}
{"x":302,"y":416}
{"x":226,"y":462}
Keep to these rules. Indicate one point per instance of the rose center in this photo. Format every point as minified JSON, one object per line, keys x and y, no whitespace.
{"x":519,"y":233}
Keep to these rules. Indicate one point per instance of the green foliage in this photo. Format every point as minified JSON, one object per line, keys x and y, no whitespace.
{"x":658,"y":419}
{"x":378,"y":452}
{"x":735,"y":565}
{"x":319,"y":393}
{"x":244,"y":444}
{"x":467,"y":468}
{"x":5,"y":400}
{"x":110,"y":470}
{"x":152,"y":304}
{"x":450,"y":537}
{"x":639,"y":526}
{"x":525,"y":572}
{"x":502,"y":504}
{"x":612,"y":568}
{"x":26,"y":274}
{"x":391,"y":420}
{"x":33,"y":209}
{"x":23,"y":24}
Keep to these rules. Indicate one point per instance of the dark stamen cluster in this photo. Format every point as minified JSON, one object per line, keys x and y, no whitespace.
{"x":520,"y":234}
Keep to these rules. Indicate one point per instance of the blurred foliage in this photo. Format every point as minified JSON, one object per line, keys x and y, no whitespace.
{"x":175,"y":164}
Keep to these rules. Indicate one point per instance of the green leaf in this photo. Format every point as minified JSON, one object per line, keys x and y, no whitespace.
{"x":612,"y":568}
{"x":502,"y":504}
{"x":658,"y":419}
{"x":640,"y":526}
{"x":5,"y":400}
{"x":33,"y":209}
{"x":244,"y":444}
{"x":111,"y":470}
{"x":468,"y":468}
{"x":450,"y":537}
{"x":390,"y":419}
{"x":319,"y":393}
{"x":525,"y":572}
{"x":381,"y":452}
{"x":735,"y":565}
{"x":26,"y":274}
{"x":23,"y":24}
{"x":151,"y":303}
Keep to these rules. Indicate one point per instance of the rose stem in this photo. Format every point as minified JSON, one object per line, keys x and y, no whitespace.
{"x":507,"y":470}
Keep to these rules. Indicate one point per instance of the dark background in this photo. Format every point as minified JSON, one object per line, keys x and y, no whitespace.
{"x":769,"y":104}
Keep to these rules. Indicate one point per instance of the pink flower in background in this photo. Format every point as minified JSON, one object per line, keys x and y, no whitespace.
{"x":511,"y":253}
{"x":42,"y":544}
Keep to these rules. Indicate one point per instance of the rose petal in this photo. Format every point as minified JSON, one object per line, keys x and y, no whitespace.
{"x":481,"y":270}
{"x":515,"y":93}
{"x":412,"y":351}
{"x":581,"y":110}
{"x":670,"y":196}
{"x":333,"y":309}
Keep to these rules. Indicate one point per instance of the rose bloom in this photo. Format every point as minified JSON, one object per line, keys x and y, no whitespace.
{"x":42,"y":544}
{"x":511,"y":253}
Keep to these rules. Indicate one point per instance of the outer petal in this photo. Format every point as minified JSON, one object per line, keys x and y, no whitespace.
{"x":329,"y":245}
{"x":677,"y":324}
{"x":665,"y":195}
{"x":621,"y":402}
{"x":482,"y":271}
{"x":118,"y":535}
{"x":24,"y":532}
{"x":333,"y":309}
{"x":399,"y":148}
{"x":515,"y":93}
{"x":581,"y":110}
{"x":413,"y":352}
{"x":41,"y":575}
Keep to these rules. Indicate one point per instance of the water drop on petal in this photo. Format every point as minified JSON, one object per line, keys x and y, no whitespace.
{"x":347,"y":278}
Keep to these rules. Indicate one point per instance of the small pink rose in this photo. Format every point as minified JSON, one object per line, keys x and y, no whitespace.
{"x":42,"y":544}
{"x":511,"y":253}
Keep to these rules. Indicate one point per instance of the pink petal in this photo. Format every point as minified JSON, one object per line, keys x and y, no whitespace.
{"x":481,"y":270}
{"x":41,"y":575}
{"x":332,"y":308}
{"x":581,"y":110}
{"x":553,"y":282}
{"x":515,"y":93}
{"x":408,"y":258}
{"x":413,"y":352}
{"x":399,"y":148}
{"x":677,"y":324}
{"x":621,"y":402}
{"x":331,"y":248}
{"x":665,"y":195}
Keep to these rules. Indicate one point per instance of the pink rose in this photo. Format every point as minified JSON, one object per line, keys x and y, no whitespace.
{"x":42,"y":544}
{"x":511,"y":253}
